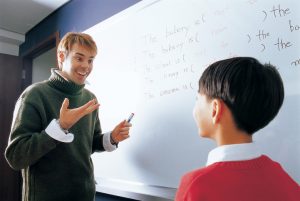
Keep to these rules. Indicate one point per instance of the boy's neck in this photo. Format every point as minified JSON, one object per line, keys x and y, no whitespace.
{"x":226,"y":131}
{"x":232,"y":137}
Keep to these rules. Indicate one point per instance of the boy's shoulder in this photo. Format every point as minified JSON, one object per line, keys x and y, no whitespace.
{"x":216,"y":170}
{"x":191,"y":182}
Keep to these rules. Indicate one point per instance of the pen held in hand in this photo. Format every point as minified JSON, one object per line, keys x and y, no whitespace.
{"x":130,"y":117}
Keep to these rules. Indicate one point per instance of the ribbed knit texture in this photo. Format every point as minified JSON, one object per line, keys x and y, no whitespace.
{"x":259,"y":179}
{"x":52,"y":170}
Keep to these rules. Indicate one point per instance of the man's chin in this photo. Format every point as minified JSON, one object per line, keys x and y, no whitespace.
{"x":80,"y":81}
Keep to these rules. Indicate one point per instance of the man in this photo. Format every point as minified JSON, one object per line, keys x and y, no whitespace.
{"x":56,"y":128}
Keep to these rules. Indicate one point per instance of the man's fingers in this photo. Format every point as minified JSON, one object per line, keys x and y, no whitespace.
{"x":121,"y":124}
{"x":126,"y":124}
{"x":124,"y":130}
{"x":64,"y":105}
{"x":124,"y":137}
{"x":92,"y":107}
{"x":89,"y":107}
{"x":88,"y":104}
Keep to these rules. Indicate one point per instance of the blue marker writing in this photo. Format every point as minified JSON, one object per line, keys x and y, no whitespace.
{"x":130,"y":117}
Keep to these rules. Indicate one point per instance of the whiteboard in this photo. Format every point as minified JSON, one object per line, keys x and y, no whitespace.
{"x":150,"y":58}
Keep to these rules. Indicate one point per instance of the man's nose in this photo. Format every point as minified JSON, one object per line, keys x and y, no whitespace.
{"x":85,"y":64}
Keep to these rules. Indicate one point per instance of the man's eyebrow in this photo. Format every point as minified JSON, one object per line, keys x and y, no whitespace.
{"x":78,"y":53}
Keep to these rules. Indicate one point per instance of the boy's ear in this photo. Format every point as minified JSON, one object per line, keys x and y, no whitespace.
{"x":217,"y":109}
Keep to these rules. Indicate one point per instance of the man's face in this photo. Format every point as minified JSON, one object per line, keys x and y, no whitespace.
{"x":78,"y":64}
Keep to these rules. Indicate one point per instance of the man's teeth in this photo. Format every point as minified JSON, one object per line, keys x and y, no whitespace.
{"x":81,"y":73}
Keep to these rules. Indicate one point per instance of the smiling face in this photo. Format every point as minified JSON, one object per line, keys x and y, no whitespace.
{"x":77,"y":64}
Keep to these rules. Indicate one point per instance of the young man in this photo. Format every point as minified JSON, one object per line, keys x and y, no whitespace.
{"x":237,"y":97}
{"x":56,"y":128}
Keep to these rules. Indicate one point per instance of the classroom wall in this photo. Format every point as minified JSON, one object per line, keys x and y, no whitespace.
{"x":76,"y":15}
{"x":41,"y":65}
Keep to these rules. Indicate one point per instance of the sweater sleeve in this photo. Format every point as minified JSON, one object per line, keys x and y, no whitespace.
{"x":28,"y":141}
{"x":98,"y":136}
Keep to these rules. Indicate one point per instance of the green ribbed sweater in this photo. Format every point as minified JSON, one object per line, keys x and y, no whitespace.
{"x":52,"y":170}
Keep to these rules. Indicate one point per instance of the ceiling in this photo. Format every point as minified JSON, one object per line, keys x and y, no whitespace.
{"x":18,"y":16}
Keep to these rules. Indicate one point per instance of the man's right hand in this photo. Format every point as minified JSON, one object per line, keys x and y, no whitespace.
{"x":68,"y":117}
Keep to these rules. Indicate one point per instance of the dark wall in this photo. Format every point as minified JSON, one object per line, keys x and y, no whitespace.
{"x":10,"y":89}
{"x":76,"y":15}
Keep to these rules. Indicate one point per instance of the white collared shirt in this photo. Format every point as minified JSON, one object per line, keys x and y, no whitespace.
{"x":233,"y":152}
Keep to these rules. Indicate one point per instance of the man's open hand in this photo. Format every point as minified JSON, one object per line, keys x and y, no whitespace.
{"x":68,"y":117}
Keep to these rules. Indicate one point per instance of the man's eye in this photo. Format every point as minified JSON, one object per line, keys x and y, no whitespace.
{"x":91,"y":61}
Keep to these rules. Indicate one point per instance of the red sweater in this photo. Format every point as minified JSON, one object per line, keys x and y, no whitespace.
{"x":259,"y":179}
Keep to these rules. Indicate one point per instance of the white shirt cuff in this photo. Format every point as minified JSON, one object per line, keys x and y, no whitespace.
{"x":107,"y":144}
{"x":54,"y":130}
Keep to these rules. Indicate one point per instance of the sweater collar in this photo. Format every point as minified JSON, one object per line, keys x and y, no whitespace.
{"x":64,"y":85}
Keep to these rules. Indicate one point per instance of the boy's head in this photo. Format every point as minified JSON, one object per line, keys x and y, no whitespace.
{"x":71,"y":38}
{"x":253,"y":92}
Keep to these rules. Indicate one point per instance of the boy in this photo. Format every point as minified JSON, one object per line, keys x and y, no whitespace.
{"x":236,"y":98}
{"x":56,"y":128}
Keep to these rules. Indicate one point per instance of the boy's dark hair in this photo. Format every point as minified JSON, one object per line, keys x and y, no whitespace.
{"x":252,"y":91}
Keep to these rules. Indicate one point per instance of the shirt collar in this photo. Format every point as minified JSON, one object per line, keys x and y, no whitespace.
{"x":233,"y":152}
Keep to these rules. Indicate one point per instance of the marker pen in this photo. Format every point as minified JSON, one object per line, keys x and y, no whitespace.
{"x":130,"y":117}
